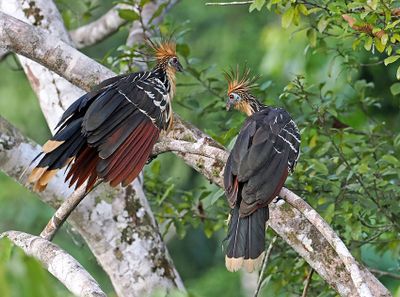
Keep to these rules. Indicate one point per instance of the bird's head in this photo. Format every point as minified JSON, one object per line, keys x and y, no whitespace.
{"x":239,"y":91}
{"x":165,"y":53}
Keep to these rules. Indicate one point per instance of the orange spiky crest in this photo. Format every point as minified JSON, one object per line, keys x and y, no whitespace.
{"x":240,"y":83}
{"x":163,"y":50}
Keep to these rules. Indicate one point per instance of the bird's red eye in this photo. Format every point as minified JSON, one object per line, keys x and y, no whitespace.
{"x":175,"y":59}
{"x":230,"y":96}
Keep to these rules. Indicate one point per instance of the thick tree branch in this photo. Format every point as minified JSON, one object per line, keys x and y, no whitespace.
{"x":121,"y":232}
{"x":99,"y":29}
{"x":229,"y":3}
{"x":147,"y":20}
{"x":123,"y":235}
{"x":290,"y":223}
{"x":59,"y":263}
{"x":200,"y":148}
{"x":338,"y":245}
{"x":110,"y":22}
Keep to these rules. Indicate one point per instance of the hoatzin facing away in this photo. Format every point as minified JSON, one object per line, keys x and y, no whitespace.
{"x":265,"y":151}
{"x":109,"y":133}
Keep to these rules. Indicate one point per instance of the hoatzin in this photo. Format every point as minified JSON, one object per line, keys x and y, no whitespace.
{"x":109,"y":133}
{"x":266,"y":150}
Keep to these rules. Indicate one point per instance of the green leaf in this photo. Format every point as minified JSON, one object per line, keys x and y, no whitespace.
{"x":257,"y":4}
{"x":303,"y":9}
{"x":340,"y":169}
{"x":312,"y":37}
{"x":398,"y":73}
{"x":319,"y":167}
{"x":144,"y":2}
{"x":391,"y":59}
{"x":363,"y":168}
{"x":329,"y":212}
{"x":395,"y":89}
{"x":287,"y":17}
{"x":322,"y":24}
{"x":390,"y":159}
{"x":157,"y":12}
{"x":128,"y":14}
{"x":384,"y":39}
{"x":379,"y":45}
{"x":5,"y":249}
{"x":368,"y":44}
{"x":183,"y":49}
{"x":372,"y":4}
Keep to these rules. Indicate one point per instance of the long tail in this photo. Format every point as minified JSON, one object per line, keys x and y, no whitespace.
{"x":246,"y":240}
{"x":60,"y":151}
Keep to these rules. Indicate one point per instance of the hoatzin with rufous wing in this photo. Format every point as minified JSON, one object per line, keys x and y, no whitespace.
{"x":109,"y":133}
{"x":265,"y":152}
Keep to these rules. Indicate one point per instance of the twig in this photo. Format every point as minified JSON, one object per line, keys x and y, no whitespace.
{"x":384,"y":273}
{"x":229,"y":3}
{"x":260,"y":282}
{"x":63,"y":212}
{"x":308,"y":282}
{"x":59,"y":263}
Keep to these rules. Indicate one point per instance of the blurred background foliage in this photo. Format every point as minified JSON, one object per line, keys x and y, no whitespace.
{"x":332,"y":64}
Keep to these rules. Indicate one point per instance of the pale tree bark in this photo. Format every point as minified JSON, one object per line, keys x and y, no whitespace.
{"x":136,"y":31}
{"x":121,"y":233}
{"x":308,"y":235}
{"x":59,"y":263}
{"x":130,"y":251}
{"x":96,"y":31}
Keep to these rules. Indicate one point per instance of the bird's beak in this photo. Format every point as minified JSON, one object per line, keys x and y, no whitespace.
{"x":228,"y":104}
{"x":179,"y":67}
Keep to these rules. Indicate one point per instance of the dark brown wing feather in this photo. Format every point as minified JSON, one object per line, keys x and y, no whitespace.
{"x":265,"y":151}
{"x":107,"y":133}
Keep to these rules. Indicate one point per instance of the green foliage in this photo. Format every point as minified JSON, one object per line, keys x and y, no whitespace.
{"x":21,"y":275}
{"x":184,"y":209}
{"x":366,"y":24}
{"x":337,"y":79}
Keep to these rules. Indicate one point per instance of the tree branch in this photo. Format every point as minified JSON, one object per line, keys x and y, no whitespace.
{"x":326,"y":231}
{"x":261,"y":279}
{"x":62,"y":213}
{"x":307,"y":283}
{"x":140,"y":27}
{"x":384,"y":273}
{"x":147,"y":19}
{"x":121,"y":232}
{"x":291,"y":224}
{"x":99,"y":29}
{"x":200,"y":148}
{"x":59,"y":263}
{"x":229,"y":3}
